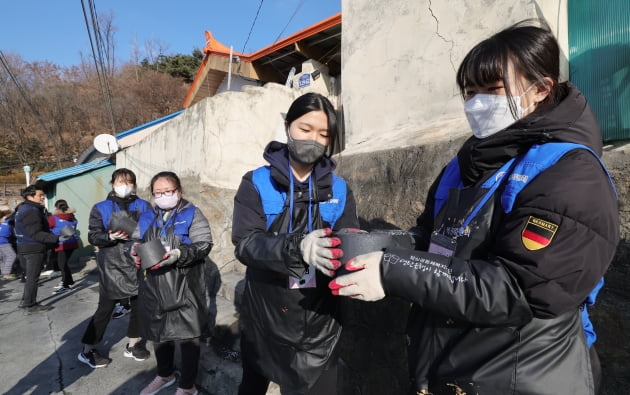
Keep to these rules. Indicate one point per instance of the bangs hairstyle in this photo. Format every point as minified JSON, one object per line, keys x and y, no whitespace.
{"x":124,"y":174}
{"x":169,"y":175}
{"x":316,"y":102}
{"x":532,"y":51}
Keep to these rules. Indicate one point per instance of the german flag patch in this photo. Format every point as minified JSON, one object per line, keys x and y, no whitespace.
{"x":538,"y":233}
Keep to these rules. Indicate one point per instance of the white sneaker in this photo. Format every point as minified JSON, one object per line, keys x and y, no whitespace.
{"x":60,"y":285}
{"x":55,"y":274}
{"x":120,"y":311}
{"x":46,"y":273}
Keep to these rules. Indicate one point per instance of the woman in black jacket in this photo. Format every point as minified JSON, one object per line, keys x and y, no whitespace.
{"x":172,"y":299}
{"x":520,"y":228}
{"x":116,"y":270}
{"x":282,"y":215}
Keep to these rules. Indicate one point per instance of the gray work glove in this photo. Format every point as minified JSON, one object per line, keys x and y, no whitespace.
{"x":363,"y":280}
{"x":318,"y":250}
{"x":168,"y":259}
{"x":63,"y":238}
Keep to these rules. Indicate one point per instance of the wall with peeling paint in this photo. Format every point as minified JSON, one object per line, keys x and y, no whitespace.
{"x":400,"y":59}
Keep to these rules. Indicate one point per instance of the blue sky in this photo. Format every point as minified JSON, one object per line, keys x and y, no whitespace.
{"x":55,"y":31}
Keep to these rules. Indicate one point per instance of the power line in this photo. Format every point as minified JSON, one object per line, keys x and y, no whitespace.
{"x":290,"y":19}
{"x":253,"y":23}
{"x":31,"y":106}
{"x":97,"y":54}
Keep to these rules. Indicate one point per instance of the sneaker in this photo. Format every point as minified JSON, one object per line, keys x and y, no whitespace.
{"x":138,"y":352}
{"x":54,"y":274}
{"x":158,"y":384}
{"x":120,"y":311}
{"x":192,"y":391}
{"x":9,"y":277}
{"x":93,"y":359}
{"x":61,"y":290}
{"x":60,"y":285}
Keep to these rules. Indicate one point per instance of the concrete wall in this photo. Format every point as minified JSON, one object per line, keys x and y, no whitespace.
{"x":215,"y":141}
{"x":400,"y":58}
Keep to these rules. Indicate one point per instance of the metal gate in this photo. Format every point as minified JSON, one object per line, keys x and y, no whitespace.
{"x":599,"y":60}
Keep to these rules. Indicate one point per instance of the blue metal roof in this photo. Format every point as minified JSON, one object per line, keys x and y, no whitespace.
{"x":146,"y":125}
{"x":74,"y":170}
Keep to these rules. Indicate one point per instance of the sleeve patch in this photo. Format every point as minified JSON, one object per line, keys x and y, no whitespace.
{"x":537,"y":233}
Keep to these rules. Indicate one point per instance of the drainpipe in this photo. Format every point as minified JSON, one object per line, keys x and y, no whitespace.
{"x":230,"y":70}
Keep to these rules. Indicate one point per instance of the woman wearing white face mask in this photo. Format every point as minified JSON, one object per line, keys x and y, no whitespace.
{"x":172,"y":299}
{"x":108,"y":230}
{"x":516,"y":235}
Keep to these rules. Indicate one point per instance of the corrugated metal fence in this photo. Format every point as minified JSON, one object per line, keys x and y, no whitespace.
{"x":599,"y":60}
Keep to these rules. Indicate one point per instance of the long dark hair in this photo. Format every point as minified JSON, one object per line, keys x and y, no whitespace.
{"x":315,"y":102}
{"x":533,"y":52}
{"x":61,"y":205}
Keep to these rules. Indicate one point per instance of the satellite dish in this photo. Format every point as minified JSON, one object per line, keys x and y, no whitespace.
{"x":106,"y":144}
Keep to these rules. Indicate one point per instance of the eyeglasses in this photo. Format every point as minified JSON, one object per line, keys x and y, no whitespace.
{"x":165,"y":193}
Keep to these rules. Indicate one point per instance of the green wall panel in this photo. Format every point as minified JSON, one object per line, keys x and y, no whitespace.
{"x":599,"y":60}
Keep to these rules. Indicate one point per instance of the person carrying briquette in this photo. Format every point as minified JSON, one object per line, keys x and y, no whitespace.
{"x":34,"y":239}
{"x":63,"y":218}
{"x":172,"y":296}
{"x":117,"y":273}
{"x":516,"y":235}
{"x":282,"y":215}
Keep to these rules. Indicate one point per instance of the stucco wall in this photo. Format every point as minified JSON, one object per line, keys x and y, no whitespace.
{"x":215,"y":141}
{"x":400,"y":58}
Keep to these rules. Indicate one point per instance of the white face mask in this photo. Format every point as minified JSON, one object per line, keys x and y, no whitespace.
{"x":123,"y":190}
{"x":488,"y":114}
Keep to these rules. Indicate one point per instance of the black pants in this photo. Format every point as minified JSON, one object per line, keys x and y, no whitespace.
{"x":62,"y":262}
{"x":165,"y":356}
{"x":32,"y":265}
{"x":96,"y":328}
{"x":254,"y":383}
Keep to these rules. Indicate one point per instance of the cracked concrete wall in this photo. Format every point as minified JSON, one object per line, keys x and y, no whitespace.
{"x":400,"y":58}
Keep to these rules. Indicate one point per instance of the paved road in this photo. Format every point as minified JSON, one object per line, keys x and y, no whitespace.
{"x":38,"y":351}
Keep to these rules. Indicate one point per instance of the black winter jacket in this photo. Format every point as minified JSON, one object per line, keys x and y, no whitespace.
{"x":288,"y":335}
{"x":513,"y":327}
{"x":116,"y":268}
{"x":172,"y":303}
{"x":31,"y":229}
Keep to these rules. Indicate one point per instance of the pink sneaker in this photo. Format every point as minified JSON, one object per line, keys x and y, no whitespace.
{"x":158,"y":384}
{"x":192,"y":391}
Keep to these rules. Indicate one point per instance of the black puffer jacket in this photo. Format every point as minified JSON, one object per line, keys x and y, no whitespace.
{"x":172,"y":300}
{"x":31,"y":229}
{"x":117,"y":273}
{"x":514,"y":327}
{"x":289,"y":335}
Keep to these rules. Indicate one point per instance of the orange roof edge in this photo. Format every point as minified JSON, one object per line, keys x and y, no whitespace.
{"x":193,"y":87}
{"x":215,"y":47}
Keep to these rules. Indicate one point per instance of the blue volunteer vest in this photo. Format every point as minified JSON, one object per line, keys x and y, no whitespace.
{"x":180,"y":221}
{"x":20,"y":235}
{"x":520,"y":173}
{"x":273,"y":198}
{"x":107,"y":207}
{"x":60,"y":223}
{"x":5,"y":232}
